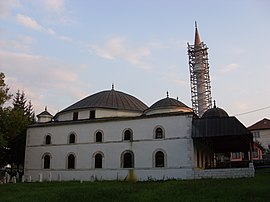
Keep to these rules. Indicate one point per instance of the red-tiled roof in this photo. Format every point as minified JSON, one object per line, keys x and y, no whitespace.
{"x":260,"y":125}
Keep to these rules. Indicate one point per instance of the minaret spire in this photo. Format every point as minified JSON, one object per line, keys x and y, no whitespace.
{"x":197,"y":40}
{"x":199,"y":75}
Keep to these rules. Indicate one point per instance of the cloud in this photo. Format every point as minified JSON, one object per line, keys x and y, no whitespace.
{"x":178,"y":43}
{"x":50,"y":31}
{"x":181,"y":82}
{"x":33,"y":24}
{"x":230,"y":67}
{"x":54,"y":11}
{"x":44,"y":80}
{"x":119,"y":48}
{"x":21,"y":43}
{"x":54,"y":5}
{"x":28,"y":22}
{"x":6,"y":7}
{"x":65,"y":38}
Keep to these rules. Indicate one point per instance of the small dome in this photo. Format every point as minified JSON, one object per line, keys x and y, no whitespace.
{"x":168,"y":105}
{"x":167,"y":102}
{"x":215,"y":113}
{"x":44,"y":116}
{"x":110,"y":99}
{"x":45,"y":113}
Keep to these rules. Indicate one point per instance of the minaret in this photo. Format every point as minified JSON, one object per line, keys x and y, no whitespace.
{"x":199,"y":75}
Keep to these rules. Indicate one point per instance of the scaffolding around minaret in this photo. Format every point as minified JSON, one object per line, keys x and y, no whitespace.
{"x":199,"y":76}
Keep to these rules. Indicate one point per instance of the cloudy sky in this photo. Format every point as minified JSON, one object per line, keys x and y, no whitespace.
{"x":59,"y":51}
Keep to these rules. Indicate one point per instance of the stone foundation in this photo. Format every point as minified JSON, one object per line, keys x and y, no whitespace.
{"x":224,"y":173}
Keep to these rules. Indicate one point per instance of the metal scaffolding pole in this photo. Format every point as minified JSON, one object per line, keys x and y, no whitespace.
{"x":199,"y":76}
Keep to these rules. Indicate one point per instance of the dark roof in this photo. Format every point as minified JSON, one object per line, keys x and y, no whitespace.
{"x":44,"y":113}
{"x":110,"y":99}
{"x":216,"y":127}
{"x":166,"y":103}
{"x":260,"y":125}
{"x":226,"y":134}
{"x":215,"y":113}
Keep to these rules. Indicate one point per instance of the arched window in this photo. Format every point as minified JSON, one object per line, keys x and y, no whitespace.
{"x":48,"y":139}
{"x":72,"y":138}
{"x":128,"y":159}
{"x":98,"y":160}
{"x":158,"y":133}
{"x":128,"y":135}
{"x":159,"y":159}
{"x":71,"y":161}
{"x":98,"y":136}
{"x":47,"y":161}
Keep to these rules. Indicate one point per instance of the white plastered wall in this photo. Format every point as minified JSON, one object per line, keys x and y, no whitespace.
{"x":177,"y":145}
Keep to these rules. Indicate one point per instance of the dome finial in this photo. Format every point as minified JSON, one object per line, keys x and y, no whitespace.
{"x":46,"y":108}
{"x":167,"y":94}
{"x":112,"y":86}
{"x":215,"y":104}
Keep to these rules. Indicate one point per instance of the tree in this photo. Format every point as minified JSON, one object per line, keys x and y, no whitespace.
{"x":20,"y":117}
{"x":4,"y":96}
{"x":3,"y":135}
{"x":14,"y":121}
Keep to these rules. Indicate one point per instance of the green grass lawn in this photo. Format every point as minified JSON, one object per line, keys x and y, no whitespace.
{"x":245,"y":189}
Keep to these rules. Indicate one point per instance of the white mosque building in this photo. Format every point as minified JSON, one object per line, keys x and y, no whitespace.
{"x":111,"y":135}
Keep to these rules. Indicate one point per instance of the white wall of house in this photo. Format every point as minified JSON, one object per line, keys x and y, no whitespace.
{"x":177,"y":146}
{"x":99,"y":113}
{"x":44,"y":119}
{"x":264,"y":137}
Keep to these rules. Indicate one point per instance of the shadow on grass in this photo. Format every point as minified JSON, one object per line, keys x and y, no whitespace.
{"x":244,"y":189}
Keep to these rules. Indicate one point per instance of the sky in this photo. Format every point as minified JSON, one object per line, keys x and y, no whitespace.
{"x":60,"y":51}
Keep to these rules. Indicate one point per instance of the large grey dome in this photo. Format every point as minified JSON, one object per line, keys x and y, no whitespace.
{"x":110,"y":99}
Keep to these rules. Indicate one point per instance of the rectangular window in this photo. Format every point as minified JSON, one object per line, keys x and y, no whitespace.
{"x":75,"y":116}
{"x":202,"y":160}
{"x":255,"y":153}
{"x":198,"y":159}
{"x":92,"y":114}
{"x":256,"y":135}
{"x":236,"y":155}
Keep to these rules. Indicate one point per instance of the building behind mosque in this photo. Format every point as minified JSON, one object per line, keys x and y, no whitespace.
{"x":111,"y":135}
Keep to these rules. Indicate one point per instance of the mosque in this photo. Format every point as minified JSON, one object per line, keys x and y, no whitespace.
{"x":112,"y":135}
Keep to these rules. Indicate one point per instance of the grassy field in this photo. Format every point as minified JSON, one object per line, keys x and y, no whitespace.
{"x":249,"y":189}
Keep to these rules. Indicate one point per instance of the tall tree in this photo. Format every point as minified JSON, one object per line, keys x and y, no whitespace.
{"x":14,"y":121}
{"x":4,"y":96}
{"x":21,"y":116}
